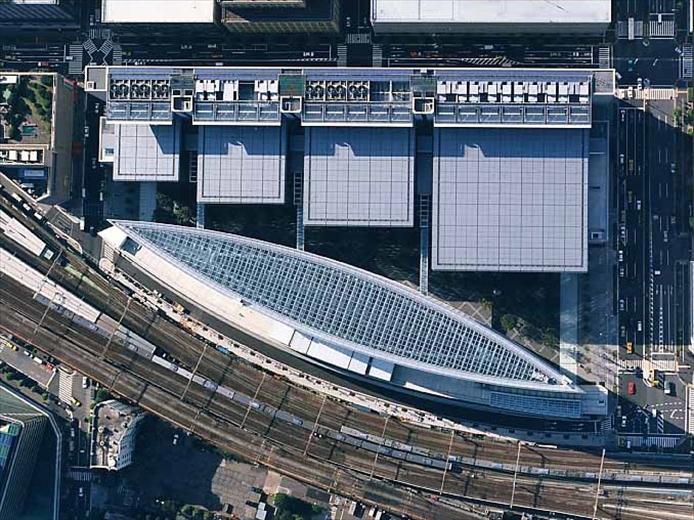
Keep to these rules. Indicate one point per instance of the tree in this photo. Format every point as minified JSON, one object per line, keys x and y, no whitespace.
{"x":292,"y":508}
{"x":101,"y":395}
{"x":508,"y":322}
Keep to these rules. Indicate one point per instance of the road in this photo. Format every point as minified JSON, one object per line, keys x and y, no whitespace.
{"x":653,"y":243}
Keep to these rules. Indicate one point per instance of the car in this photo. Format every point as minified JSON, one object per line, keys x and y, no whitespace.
{"x":638,"y":205}
{"x":631,"y":388}
{"x":86,"y":130}
{"x":621,"y":304}
{"x":656,"y":272}
{"x":93,"y":163}
{"x":621,"y":158}
{"x":85,"y":382}
{"x":620,"y":255}
{"x":639,"y":83}
{"x":186,"y":47}
{"x":624,"y":421}
{"x":80,"y":493}
{"x":673,"y":168}
{"x":622,"y":272}
{"x":630,"y":347}
{"x":175,"y":439}
{"x":623,"y":114}
{"x":639,"y":326}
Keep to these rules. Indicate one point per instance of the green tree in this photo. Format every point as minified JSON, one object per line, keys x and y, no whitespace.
{"x":508,"y":322}
{"x":101,"y":395}
{"x":292,"y":508}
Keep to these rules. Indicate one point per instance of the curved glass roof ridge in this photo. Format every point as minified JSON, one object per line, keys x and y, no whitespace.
{"x":349,"y":306}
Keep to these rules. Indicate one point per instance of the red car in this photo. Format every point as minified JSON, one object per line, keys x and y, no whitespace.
{"x":631,"y":388}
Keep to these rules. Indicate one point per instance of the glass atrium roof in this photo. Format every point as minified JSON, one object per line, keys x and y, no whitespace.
{"x":348,"y":306}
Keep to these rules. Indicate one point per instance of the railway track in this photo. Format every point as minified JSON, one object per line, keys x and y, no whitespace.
{"x":219,"y":367}
{"x":292,"y":440}
{"x":284,"y":440}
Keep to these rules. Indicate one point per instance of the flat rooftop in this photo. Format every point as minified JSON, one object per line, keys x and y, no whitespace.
{"x":241,"y":164}
{"x":510,"y":199}
{"x":491,"y":11}
{"x":158,"y":11}
{"x":146,"y":152}
{"x":358,"y":176}
{"x":114,"y":423}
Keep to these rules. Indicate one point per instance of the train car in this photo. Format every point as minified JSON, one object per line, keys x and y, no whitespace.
{"x":225,"y":392}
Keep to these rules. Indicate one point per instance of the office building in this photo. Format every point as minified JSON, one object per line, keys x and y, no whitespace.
{"x":307,"y":16}
{"x":492,"y":165}
{"x":37,"y":153}
{"x":158,"y":12}
{"x":115,"y":425}
{"x":22,"y":15}
{"x":22,"y":428}
{"x":516,"y":17}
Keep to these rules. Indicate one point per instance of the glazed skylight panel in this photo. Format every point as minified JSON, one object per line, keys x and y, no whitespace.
{"x":341,"y":304}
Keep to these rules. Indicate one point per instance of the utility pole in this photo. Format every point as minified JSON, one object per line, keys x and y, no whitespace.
{"x":515,"y":474}
{"x":597,"y":492}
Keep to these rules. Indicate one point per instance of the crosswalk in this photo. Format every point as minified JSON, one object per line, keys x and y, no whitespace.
{"x":605,"y":57}
{"x":75,"y":65}
{"x":606,"y":425}
{"x":79,"y":476}
{"x":106,"y":47}
{"x":377,"y":55}
{"x":117,"y":56}
{"x":341,"y":55}
{"x":663,"y":29}
{"x":686,"y":62}
{"x":649,"y":93}
{"x":90,"y":46}
{"x":65,"y":386}
{"x":358,"y":38}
